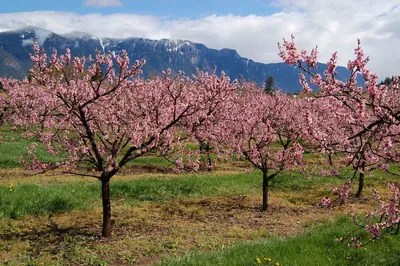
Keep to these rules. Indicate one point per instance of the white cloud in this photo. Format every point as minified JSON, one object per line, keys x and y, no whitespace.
{"x":41,"y":35}
{"x":332,"y":25}
{"x":102,"y":3}
{"x":27,"y":42}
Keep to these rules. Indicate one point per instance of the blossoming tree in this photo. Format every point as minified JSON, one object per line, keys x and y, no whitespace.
{"x":367,"y":121}
{"x":102,"y":115}
{"x":372,"y":113}
{"x":266,"y":130}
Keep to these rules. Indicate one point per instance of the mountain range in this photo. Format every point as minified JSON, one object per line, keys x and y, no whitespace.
{"x":16,"y":45}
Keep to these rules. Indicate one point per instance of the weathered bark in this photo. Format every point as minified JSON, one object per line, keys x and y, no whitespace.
{"x":361,"y":180}
{"x":265,"y":191}
{"x":105,"y":195}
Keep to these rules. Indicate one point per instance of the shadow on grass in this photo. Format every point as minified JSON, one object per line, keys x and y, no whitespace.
{"x":51,"y":234}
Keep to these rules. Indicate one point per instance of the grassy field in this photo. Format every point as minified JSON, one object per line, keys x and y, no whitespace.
{"x":314,"y":247}
{"x":159,"y":217}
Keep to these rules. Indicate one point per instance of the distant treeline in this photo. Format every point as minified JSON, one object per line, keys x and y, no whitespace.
{"x":387,"y":80}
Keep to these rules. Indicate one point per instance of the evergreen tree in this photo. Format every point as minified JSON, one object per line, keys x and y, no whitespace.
{"x":269,"y":85}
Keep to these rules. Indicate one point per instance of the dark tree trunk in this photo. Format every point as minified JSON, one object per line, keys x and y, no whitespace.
{"x":105,"y":196}
{"x":361,"y":180}
{"x":265,"y":191}
{"x":330,"y":159}
{"x":360,"y":184}
{"x":205,"y":147}
{"x":209,"y":162}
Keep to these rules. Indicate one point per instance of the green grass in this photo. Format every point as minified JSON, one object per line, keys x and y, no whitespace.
{"x":13,"y":146}
{"x":151,"y":161}
{"x":294,"y":180}
{"x":316,"y":247}
{"x":30,"y":199}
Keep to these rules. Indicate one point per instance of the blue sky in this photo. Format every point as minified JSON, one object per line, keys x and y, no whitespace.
{"x":164,"y":8}
{"x":252,"y":27}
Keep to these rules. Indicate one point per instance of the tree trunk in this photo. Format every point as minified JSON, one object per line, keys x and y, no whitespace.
{"x":360,"y":184}
{"x":209,"y":162}
{"x":265,"y":191}
{"x":330,"y":159}
{"x":105,"y":195}
{"x":205,"y":147}
{"x":361,"y":180}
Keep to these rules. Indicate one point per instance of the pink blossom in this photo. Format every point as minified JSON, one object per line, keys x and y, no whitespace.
{"x":326,"y":202}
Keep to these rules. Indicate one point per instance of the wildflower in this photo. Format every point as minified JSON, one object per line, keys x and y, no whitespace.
{"x":277,"y":264}
{"x":258,"y":260}
{"x":11,"y":187}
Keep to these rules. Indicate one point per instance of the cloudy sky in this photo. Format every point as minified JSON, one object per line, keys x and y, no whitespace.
{"x":252,"y":27}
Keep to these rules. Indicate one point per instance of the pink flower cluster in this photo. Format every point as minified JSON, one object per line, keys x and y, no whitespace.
{"x":343,"y":191}
{"x":104,"y":115}
{"x":388,"y":216}
{"x":361,"y":122}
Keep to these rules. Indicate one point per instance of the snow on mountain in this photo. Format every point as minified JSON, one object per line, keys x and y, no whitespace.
{"x":160,"y":54}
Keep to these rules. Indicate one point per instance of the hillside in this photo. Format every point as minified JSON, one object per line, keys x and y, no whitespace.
{"x":15,"y":47}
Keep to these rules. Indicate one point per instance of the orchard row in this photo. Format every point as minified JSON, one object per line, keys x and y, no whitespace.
{"x":99,"y":113}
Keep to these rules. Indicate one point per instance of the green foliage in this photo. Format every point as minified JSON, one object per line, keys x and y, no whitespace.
{"x":387,"y":81}
{"x":269,"y":85}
